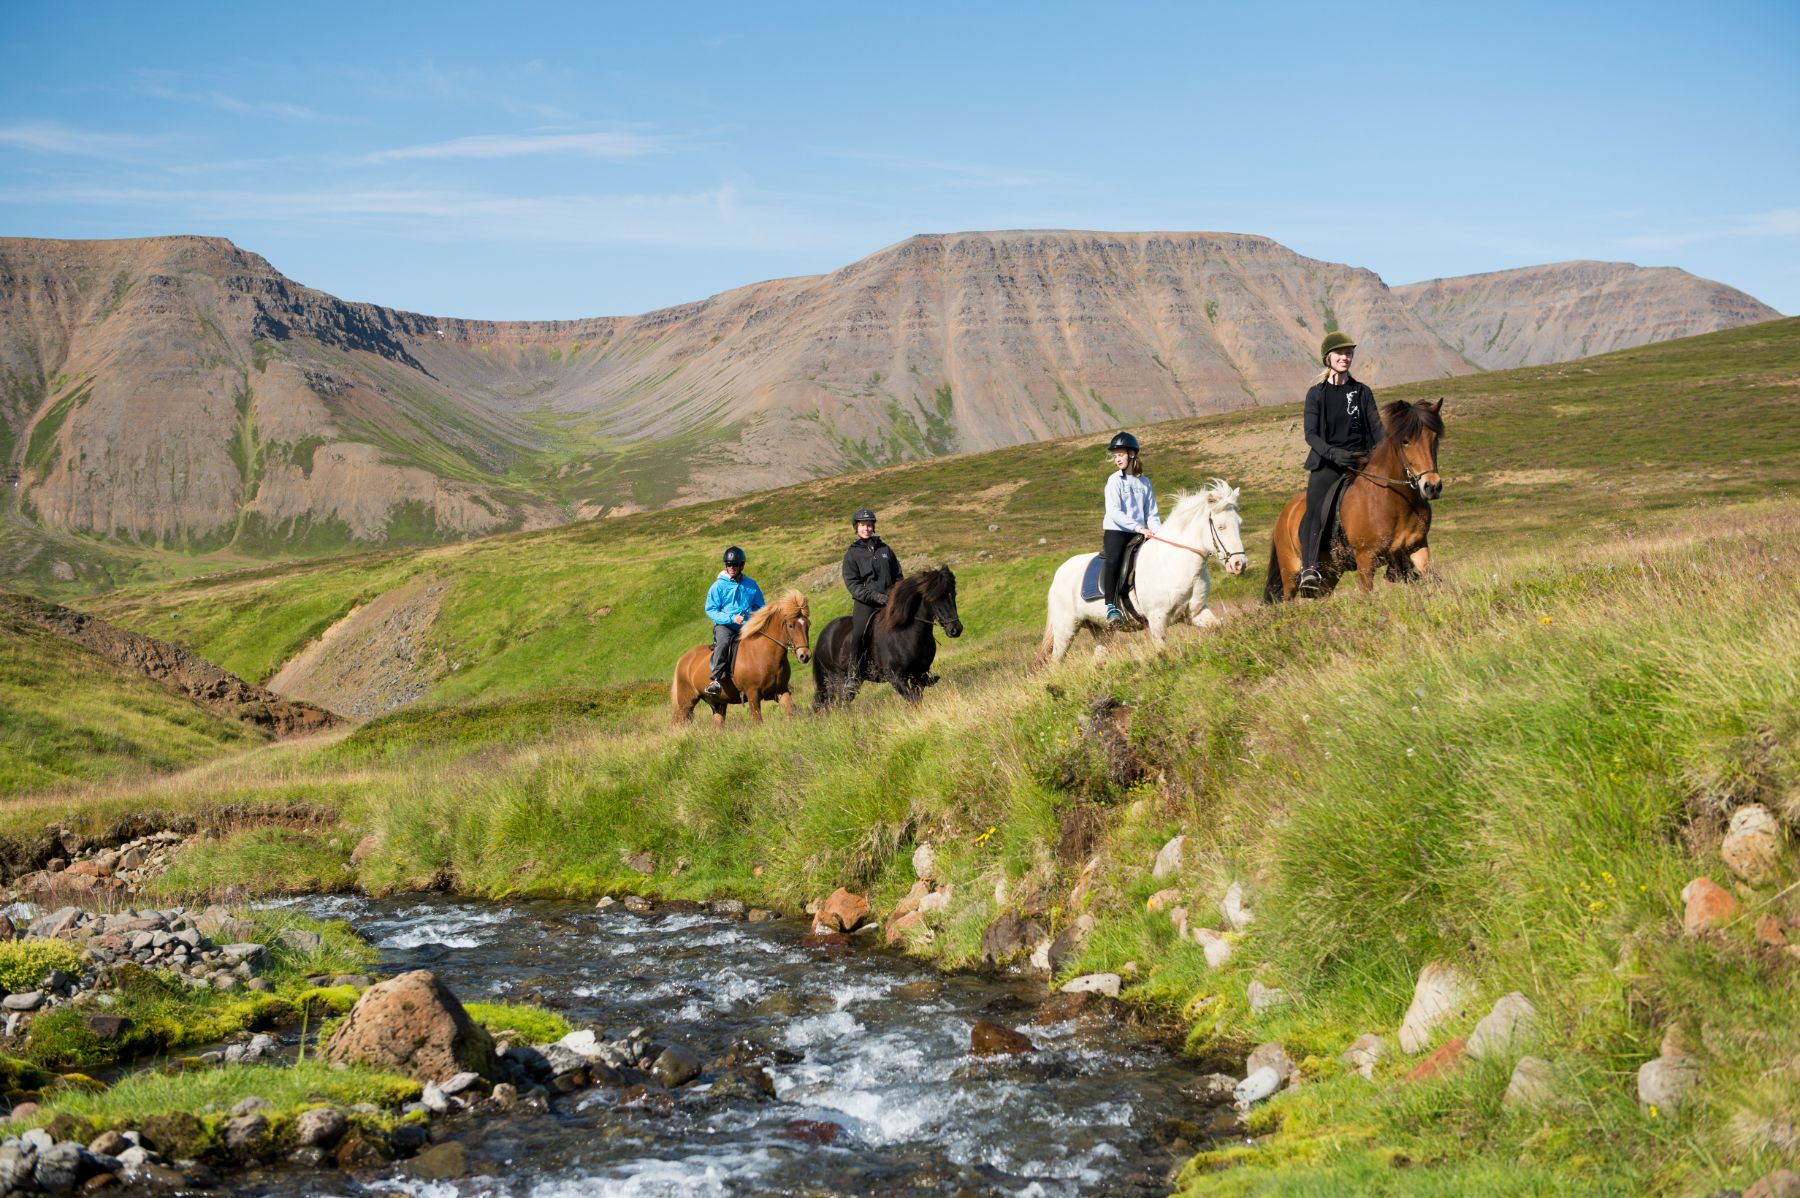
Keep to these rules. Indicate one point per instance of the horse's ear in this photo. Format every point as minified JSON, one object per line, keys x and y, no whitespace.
{"x":1439,"y":405}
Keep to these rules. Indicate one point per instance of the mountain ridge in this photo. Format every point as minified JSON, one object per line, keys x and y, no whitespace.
{"x":181,"y":393}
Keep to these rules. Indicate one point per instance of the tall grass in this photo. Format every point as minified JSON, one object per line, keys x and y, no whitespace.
{"x":1514,"y":775}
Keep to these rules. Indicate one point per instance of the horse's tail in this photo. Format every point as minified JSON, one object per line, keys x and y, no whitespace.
{"x":822,"y":695}
{"x":1272,"y":588}
{"x":1048,"y":643}
{"x":676,"y":709}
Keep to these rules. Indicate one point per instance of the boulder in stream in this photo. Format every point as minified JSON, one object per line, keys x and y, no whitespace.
{"x":414,"y":1025}
{"x":842,"y":912}
{"x":989,"y":1039}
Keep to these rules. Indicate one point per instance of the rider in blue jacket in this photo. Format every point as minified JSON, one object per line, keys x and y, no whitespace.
{"x":728,"y":604}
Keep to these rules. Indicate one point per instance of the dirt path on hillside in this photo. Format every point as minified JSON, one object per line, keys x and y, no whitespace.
{"x":373,"y":660}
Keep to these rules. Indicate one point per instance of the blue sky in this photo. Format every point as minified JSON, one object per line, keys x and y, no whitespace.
{"x":600,"y":159}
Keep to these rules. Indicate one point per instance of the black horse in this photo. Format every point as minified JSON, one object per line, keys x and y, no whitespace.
{"x":901,"y":647}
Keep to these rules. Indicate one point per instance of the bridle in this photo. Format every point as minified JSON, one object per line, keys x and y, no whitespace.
{"x":787,"y":621}
{"x":1225,"y":555}
{"x":1414,"y":480}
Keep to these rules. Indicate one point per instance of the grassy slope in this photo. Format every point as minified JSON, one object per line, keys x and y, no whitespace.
{"x":1579,"y":704}
{"x":68,"y":715}
{"x":1540,"y":456}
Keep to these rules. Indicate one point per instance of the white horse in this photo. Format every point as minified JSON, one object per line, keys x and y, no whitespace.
{"x":1171,"y":571}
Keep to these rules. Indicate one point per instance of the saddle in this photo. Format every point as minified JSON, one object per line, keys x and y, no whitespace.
{"x":1331,"y":532}
{"x":1090,"y":578}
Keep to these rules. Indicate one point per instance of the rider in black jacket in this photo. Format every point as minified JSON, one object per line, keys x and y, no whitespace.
{"x":870,"y":572}
{"x":1342,"y":426}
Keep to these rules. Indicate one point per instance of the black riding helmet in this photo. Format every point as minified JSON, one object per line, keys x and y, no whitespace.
{"x":1124,"y":441}
{"x":734,"y":556}
{"x":861,"y":514}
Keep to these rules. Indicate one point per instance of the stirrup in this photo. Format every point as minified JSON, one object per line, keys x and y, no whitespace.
{"x":1113,"y":614}
{"x":1311,"y":582}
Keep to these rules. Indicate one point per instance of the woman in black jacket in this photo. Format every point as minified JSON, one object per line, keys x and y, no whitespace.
{"x":1342,"y":426}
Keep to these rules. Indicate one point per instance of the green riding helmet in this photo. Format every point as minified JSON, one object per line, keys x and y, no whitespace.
{"x":734,"y":556}
{"x":1334,"y":341}
{"x":861,"y":514}
{"x":1124,"y":441}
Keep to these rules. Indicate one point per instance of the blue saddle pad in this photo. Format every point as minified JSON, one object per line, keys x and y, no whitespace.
{"x":1090,"y":578}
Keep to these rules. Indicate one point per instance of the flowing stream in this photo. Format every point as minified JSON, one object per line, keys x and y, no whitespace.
{"x":863,"y":1038}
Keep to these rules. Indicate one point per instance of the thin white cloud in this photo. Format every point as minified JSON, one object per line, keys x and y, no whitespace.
{"x":718,"y":218}
{"x":49,"y":138}
{"x":1778,"y":222}
{"x":472,"y":89}
{"x":531,"y":145}
{"x":229,"y":103}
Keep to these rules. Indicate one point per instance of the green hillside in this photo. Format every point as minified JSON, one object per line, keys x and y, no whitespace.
{"x":1533,"y":458}
{"x":1515,"y":769}
{"x":68,"y":715}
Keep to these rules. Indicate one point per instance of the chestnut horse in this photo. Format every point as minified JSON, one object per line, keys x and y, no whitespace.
{"x":1384,"y":515}
{"x":761,"y":669}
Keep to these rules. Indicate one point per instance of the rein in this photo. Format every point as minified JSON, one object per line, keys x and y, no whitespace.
{"x":1408,"y":484}
{"x":1218,"y":543}
{"x":764,"y":632}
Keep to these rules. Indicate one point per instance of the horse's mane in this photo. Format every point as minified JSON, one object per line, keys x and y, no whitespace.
{"x":1189,"y":504}
{"x":786,"y":606}
{"x":1407,"y":420}
{"x":903,"y":601}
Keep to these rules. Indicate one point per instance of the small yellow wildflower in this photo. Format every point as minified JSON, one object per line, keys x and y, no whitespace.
{"x":1545,"y":620}
{"x":1597,"y":905}
{"x":985,"y":836}
{"x":1653,"y":1112}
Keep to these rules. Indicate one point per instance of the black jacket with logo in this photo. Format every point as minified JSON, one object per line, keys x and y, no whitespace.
{"x":1333,"y":432}
{"x":870,"y":570}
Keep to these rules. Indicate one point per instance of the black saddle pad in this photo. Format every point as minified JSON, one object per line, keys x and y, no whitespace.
{"x":1090,"y":578}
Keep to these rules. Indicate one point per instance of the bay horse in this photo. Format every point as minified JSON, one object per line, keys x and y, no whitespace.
{"x":1384,"y":515}
{"x":761,"y":669}
{"x":901,"y":647}
{"x":1171,"y":575}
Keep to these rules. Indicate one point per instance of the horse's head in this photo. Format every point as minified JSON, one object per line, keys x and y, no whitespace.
{"x":1227,"y":526}
{"x":1415,"y":429}
{"x":936,"y":593}
{"x":787,"y":622}
{"x":929,"y":595}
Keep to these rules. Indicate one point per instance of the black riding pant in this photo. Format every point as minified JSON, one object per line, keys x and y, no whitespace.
{"x":724,"y":637}
{"x":1112,"y":552}
{"x":1318,"y":494}
{"x":860,"y":615}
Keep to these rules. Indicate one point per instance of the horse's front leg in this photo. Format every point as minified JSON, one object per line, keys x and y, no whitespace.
{"x":1421,"y":560}
{"x":1366,"y":560}
{"x":786,"y":699}
{"x":754,"y":699}
{"x":1158,"y":623}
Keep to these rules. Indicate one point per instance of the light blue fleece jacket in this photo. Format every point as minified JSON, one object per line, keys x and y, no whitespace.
{"x":728,"y":599}
{"x":1131,"y":504}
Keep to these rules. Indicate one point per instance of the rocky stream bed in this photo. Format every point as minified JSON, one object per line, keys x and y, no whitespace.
{"x":870,"y":1082}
